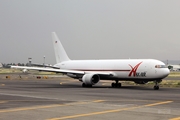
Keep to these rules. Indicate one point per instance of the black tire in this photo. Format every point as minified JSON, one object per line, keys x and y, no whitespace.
{"x":119,"y":85}
{"x":83,"y":85}
{"x":113,"y":85}
{"x":89,"y":86}
{"x":156,"y":87}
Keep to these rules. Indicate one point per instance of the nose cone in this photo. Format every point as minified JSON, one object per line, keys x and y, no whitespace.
{"x":166,"y":72}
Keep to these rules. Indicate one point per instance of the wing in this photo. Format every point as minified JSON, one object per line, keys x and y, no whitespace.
{"x":61,"y":70}
{"x":44,"y":65}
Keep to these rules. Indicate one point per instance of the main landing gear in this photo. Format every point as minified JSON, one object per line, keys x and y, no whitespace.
{"x":84,"y":85}
{"x":156,"y":86}
{"x":116,"y":84}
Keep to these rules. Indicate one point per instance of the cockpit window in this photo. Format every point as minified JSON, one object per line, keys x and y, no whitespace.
{"x":160,"y":66}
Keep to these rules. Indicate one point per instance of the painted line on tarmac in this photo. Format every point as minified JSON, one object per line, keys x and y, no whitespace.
{"x":48,"y":106}
{"x":158,"y":103}
{"x":110,"y":111}
{"x":67,"y":81}
{"x":178,"y":118}
{"x":29,"y":96}
{"x":97,"y":101}
{"x":62,"y":83}
{"x":1,"y":102}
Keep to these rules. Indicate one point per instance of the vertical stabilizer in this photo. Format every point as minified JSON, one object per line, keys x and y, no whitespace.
{"x":60,"y":53}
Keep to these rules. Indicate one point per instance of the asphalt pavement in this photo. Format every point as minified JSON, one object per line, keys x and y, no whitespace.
{"x":29,"y":98}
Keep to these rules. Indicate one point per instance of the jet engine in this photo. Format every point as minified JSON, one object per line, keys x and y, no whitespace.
{"x":25,"y":71}
{"x":141,"y":82}
{"x":90,"y":79}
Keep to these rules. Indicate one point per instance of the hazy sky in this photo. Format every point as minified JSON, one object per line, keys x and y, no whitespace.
{"x":89,"y":29}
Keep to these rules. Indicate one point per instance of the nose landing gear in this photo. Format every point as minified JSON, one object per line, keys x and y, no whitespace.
{"x":156,"y":86}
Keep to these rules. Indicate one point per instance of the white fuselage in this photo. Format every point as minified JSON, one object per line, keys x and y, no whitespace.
{"x":90,"y":72}
{"x":123,"y":69}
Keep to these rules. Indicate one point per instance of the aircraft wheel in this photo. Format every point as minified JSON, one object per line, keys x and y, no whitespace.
{"x":83,"y":85}
{"x":119,"y":85}
{"x":113,"y":85}
{"x":156,"y":87}
{"x":116,"y":85}
{"x":89,"y":86}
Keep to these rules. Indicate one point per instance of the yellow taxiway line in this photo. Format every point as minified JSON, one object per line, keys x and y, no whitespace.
{"x":178,"y":118}
{"x":48,"y":106}
{"x":110,"y":111}
{"x":1,"y":102}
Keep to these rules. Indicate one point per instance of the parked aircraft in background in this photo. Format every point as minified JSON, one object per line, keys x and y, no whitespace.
{"x":90,"y":72}
{"x":174,"y":67}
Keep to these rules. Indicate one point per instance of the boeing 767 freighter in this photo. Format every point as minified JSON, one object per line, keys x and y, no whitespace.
{"x":90,"y":72}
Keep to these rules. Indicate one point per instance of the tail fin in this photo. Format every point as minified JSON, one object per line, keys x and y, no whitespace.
{"x":60,"y":53}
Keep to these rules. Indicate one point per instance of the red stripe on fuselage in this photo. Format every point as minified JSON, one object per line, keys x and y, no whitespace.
{"x":101,"y":70}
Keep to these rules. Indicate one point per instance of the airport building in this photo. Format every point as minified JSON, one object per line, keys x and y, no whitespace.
{"x":174,"y":67}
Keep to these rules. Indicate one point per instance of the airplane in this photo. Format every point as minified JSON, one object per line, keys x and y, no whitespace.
{"x":90,"y":72}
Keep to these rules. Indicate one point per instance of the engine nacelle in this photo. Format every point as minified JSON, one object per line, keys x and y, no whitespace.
{"x":141,"y":82}
{"x":90,"y":79}
{"x":25,"y":71}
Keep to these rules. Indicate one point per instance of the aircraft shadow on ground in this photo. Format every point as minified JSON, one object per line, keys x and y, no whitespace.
{"x":65,"y":86}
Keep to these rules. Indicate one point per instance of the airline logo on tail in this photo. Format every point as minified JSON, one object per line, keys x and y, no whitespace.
{"x":136,"y":74}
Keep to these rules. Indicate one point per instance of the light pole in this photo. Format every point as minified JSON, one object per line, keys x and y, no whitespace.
{"x":44,"y":60}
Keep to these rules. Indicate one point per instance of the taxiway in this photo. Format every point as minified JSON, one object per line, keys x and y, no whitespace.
{"x":62,"y":98}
